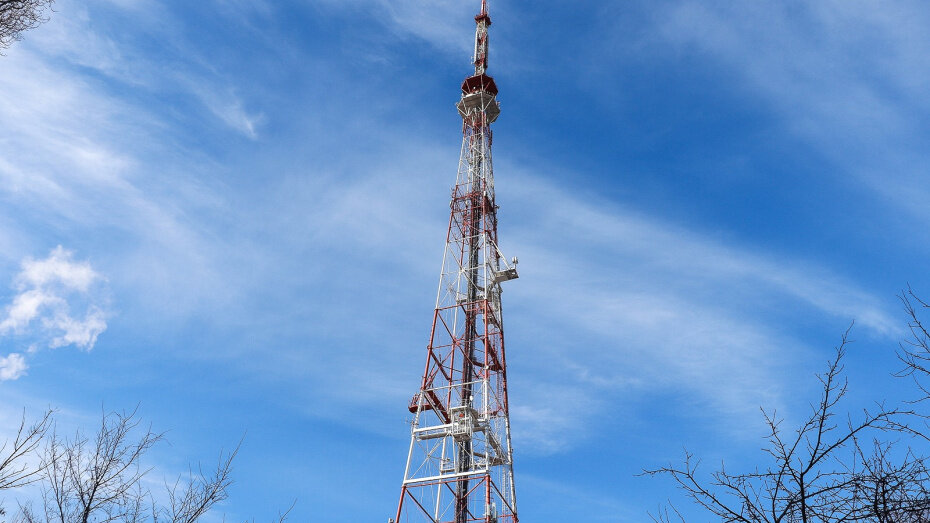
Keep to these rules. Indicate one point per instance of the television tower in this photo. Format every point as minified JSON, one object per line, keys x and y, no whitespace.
{"x":460,"y":465}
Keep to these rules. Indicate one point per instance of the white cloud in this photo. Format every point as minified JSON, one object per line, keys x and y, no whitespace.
{"x":626,"y":306}
{"x":848,"y":77}
{"x":90,"y":158}
{"x":58,"y":269}
{"x":26,"y":307}
{"x":75,"y":36}
{"x":48,"y":291}
{"x":12,"y":367}
{"x":80,"y":333}
{"x":229,"y":108}
{"x":613,"y":305}
{"x":446,"y":24}
{"x":678,"y":260}
{"x":659,"y":306}
{"x":551,"y":416}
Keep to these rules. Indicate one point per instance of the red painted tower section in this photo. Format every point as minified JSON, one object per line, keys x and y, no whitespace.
{"x":460,"y":465}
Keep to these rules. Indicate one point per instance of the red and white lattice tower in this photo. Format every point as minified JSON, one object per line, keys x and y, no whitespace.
{"x":460,"y":466}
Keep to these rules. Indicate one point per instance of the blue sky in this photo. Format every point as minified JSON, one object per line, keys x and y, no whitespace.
{"x":232,"y":212}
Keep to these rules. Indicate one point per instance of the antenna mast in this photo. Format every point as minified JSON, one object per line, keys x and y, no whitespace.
{"x":460,"y":463}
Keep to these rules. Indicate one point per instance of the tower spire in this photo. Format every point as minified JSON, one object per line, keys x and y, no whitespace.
{"x":460,"y":463}
{"x":483,"y":21}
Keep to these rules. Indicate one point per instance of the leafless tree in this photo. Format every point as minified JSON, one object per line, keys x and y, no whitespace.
{"x":100,"y":479}
{"x":85,"y":477}
{"x":17,"y":16}
{"x":891,"y":486}
{"x":915,"y":352}
{"x":16,"y":469}
{"x":825,"y":470}
{"x":188,"y":502}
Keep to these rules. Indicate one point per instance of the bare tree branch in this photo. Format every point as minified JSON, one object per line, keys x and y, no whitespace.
{"x":820,"y":471}
{"x":201,"y":493}
{"x":15,"y":471}
{"x":99,"y":479}
{"x":915,"y":352}
{"x":17,"y":16}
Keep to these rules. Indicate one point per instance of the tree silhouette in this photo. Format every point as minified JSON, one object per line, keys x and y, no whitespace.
{"x":17,"y":16}
{"x":826,"y":470}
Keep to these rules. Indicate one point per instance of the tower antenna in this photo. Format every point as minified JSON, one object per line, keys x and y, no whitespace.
{"x":460,"y":462}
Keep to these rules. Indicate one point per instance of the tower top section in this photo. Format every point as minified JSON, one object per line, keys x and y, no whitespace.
{"x":483,"y":21}
{"x":478,"y":105}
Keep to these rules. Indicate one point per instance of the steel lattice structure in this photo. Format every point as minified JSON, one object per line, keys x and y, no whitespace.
{"x":460,"y":465}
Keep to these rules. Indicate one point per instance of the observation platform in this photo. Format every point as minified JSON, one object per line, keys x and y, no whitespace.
{"x":479,"y":92}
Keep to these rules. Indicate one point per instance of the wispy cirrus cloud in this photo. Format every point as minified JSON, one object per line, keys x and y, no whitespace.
{"x":652,"y":306}
{"x":75,"y":141}
{"x":635,"y":306}
{"x":614,"y":303}
{"x":443,"y":23}
{"x":848,"y":77}
{"x":228,"y":107}
{"x":77,"y":38}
